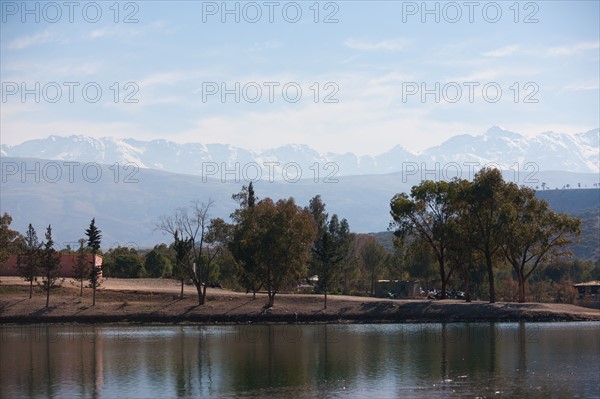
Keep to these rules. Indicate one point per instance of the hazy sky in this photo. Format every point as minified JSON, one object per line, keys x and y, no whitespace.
{"x":386,"y":72}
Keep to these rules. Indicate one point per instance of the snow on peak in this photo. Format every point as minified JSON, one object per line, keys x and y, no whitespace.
{"x":549,"y":150}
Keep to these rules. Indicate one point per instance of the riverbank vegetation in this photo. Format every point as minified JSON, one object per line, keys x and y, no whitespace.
{"x":487,"y":238}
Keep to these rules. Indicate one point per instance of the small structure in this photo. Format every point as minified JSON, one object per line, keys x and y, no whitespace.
{"x":397,"y":289}
{"x":588,"y":294}
{"x":67,"y":261}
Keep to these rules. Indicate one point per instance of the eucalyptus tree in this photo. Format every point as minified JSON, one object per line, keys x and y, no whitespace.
{"x":485,"y":199}
{"x":283,"y":238}
{"x":533,"y":233}
{"x":373,"y":256}
{"x":430,"y":214}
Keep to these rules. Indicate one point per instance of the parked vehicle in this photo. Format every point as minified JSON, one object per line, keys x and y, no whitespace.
{"x":450,"y":294}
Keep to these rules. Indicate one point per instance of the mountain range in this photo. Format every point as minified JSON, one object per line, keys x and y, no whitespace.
{"x":510,"y":150}
{"x":127,"y":185}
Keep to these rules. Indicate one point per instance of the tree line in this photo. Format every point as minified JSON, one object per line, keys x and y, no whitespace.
{"x":486,"y":222}
{"x":37,"y":258}
{"x":471,"y":232}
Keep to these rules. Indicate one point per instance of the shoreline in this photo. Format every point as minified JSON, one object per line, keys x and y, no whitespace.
{"x":157,"y":302}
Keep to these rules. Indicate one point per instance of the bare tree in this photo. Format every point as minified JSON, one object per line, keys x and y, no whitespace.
{"x":206,"y":237}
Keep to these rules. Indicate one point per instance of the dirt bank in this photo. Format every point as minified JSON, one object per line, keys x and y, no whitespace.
{"x":157,"y":301}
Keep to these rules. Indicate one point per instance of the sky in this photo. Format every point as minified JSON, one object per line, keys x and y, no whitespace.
{"x":340,"y":76}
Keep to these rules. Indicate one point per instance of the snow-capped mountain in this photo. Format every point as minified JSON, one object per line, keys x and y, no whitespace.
{"x":510,"y":150}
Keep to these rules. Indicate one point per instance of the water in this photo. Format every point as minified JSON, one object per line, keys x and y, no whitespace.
{"x":525,"y":360}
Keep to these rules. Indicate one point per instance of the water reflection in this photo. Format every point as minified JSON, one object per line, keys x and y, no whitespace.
{"x":510,"y":360}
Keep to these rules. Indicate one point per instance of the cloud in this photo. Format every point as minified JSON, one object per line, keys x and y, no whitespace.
{"x":164,"y":78}
{"x":495,"y":74}
{"x":502,"y":51}
{"x":574,"y":49}
{"x":32,"y":40}
{"x":397,"y":44}
{"x":479,"y":76}
{"x":585,"y":86}
{"x":262,"y":46}
{"x":121,"y":31}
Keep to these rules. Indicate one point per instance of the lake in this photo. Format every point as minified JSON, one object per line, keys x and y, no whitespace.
{"x":526,"y":360}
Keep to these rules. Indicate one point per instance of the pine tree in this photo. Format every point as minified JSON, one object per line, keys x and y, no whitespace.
{"x":93,"y":243}
{"x":28,"y":259}
{"x":50,"y":264}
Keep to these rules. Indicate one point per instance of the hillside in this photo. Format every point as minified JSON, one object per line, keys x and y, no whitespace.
{"x":127,"y":203}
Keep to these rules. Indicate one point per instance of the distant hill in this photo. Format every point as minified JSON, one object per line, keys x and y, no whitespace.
{"x":127,"y":202}
{"x":572,"y":201}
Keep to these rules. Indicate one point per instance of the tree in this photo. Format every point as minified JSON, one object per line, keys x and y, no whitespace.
{"x":28,"y":259}
{"x":533,"y":233}
{"x":81,"y":268}
{"x":485,"y":198}
{"x":239,"y":246}
{"x":251,"y":197}
{"x":284,"y":235}
{"x":10,"y":240}
{"x":157,"y":264}
{"x":430,"y":214}
{"x":93,"y":243}
{"x":217,"y":237}
{"x":420,"y":261}
{"x":461,"y":252}
{"x":331,"y":245}
{"x":127,"y":265}
{"x":373,"y":256}
{"x":182,"y":249}
{"x":123,"y":269}
{"x":49,"y":264}
{"x":206,"y":237}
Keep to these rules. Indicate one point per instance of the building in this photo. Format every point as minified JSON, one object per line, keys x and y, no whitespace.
{"x":588,"y":294}
{"x":67,"y":261}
